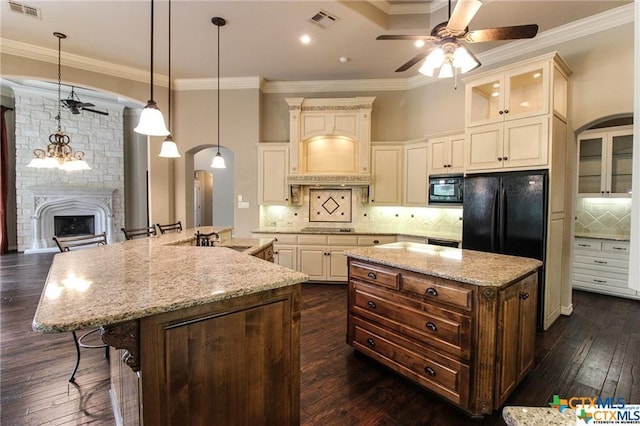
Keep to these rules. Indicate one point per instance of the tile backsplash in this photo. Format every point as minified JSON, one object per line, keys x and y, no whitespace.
{"x":427,"y":220}
{"x":609,"y":216}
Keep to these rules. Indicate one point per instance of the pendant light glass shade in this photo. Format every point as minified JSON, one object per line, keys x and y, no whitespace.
{"x":169,"y":149}
{"x":218,"y":162}
{"x":151,"y":120}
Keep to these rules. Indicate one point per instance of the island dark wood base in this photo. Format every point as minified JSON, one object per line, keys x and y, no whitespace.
{"x":236,"y":361}
{"x":466,"y":343}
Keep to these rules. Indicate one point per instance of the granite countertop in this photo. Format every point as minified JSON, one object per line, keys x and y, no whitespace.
{"x":602,"y":236}
{"x":468,"y":266}
{"x":536,"y":416}
{"x":137,"y":278}
{"x":359,"y":231}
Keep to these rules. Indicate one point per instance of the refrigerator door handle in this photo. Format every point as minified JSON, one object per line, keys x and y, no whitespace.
{"x":502,"y":218}
{"x":494,"y":221}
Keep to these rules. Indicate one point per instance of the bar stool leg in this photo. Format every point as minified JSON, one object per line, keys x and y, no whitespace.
{"x":72,"y":378}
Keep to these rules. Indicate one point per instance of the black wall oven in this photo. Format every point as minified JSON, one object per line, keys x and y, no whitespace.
{"x":446,"y":189}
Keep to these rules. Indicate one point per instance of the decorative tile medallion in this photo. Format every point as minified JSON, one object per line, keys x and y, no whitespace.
{"x":329,"y":205}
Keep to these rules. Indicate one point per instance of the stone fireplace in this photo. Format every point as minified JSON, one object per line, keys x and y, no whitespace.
{"x":52,"y":203}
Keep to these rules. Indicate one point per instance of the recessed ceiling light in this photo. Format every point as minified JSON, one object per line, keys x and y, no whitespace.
{"x":343,"y":59}
{"x":419,"y":43}
{"x":495,"y":94}
{"x":496,"y":85}
{"x":537,"y":75}
{"x":305,"y":39}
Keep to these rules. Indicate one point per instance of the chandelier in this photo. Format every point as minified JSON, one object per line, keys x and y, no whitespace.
{"x":59,"y":153}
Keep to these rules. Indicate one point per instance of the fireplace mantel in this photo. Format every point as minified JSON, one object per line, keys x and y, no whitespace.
{"x":49,"y":202}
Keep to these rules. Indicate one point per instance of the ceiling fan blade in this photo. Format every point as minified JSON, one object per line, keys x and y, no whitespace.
{"x":95,"y":111}
{"x":462,"y":14}
{"x":412,"y":62}
{"x":502,"y":33}
{"x":406,"y":37}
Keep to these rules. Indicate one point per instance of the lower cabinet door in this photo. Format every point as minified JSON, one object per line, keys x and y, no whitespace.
{"x":337,"y":268}
{"x":286,"y":256}
{"x":311,"y":261}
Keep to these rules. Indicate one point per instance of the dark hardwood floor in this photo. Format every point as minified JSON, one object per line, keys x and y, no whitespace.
{"x":594,"y":352}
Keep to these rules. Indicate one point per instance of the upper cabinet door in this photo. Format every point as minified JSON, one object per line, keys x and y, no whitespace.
{"x":605,"y":159}
{"x":386,"y":189}
{"x":516,"y":93}
{"x":273,"y":165}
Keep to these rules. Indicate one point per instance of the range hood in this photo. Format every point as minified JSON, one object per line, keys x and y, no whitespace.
{"x":329,"y":180}
{"x":330,"y":141}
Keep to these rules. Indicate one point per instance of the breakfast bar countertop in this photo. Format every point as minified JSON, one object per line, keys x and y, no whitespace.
{"x":142,"y":277}
{"x":467,"y":266}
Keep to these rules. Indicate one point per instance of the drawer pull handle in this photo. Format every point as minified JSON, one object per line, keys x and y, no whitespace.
{"x":371,"y":304}
{"x":601,"y":262}
{"x":619,"y":248}
{"x":431,"y":326}
{"x":372,"y":275}
{"x":376,"y":242}
{"x":584,"y":245}
{"x":371,"y":343}
{"x":430,"y":371}
{"x":599,"y":281}
{"x":432,"y":291}
{"x":524,"y":296}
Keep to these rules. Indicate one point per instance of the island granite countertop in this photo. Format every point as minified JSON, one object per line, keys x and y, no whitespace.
{"x":467,"y":266}
{"x":142,"y":277}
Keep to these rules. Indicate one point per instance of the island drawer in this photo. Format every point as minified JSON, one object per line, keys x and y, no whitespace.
{"x":437,"y":290}
{"x":375,"y":275}
{"x":440,"y":328}
{"x":443,"y":375}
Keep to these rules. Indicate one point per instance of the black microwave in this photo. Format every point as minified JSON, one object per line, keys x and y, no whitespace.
{"x":446,"y":189}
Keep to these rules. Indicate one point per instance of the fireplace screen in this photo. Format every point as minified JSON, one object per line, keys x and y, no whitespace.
{"x":70,"y":226}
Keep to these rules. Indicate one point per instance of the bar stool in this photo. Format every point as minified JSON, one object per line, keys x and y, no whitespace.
{"x":170,"y":227}
{"x":132,"y":233}
{"x":66,"y":244}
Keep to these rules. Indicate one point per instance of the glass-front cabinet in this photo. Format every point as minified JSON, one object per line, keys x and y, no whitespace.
{"x":605,"y":162}
{"x":518,"y":93}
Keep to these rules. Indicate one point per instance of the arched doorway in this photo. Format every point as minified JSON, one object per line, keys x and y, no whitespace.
{"x":213,"y":188}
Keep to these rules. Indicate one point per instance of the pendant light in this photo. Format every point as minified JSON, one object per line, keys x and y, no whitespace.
{"x":218,"y":161}
{"x":169,"y":148}
{"x":59,"y":153}
{"x":151,"y":120}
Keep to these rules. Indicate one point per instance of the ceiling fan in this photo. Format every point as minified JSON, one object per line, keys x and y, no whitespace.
{"x":449,"y":56}
{"x":75,"y":105}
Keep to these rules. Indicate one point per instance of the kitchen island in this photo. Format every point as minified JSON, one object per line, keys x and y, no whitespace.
{"x":206,"y":334}
{"x":459,"y":323}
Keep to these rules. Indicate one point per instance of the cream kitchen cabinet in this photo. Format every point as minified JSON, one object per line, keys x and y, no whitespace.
{"x":273,"y":164}
{"x":386,"y":168}
{"x":602,"y":266}
{"x":605,"y":162}
{"x":516,"y":144}
{"x":285,"y":250}
{"x":446,"y":154}
{"x":416,"y":174}
{"x":321,"y":256}
{"x":511,"y":115}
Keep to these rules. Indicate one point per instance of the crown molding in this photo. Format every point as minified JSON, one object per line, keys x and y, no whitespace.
{"x":44,"y":54}
{"x":603,"y":21}
{"x":409,"y":8}
{"x":228,"y":83}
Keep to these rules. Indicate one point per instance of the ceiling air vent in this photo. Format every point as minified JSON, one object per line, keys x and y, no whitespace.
{"x":25,"y":10}
{"x":324,"y":19}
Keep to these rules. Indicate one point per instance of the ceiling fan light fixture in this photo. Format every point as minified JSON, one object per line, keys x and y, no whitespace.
{"x":169,"y":148}
{"x":446,"y":71}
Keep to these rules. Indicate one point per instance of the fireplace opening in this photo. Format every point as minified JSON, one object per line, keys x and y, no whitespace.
{"x":71,"y":226}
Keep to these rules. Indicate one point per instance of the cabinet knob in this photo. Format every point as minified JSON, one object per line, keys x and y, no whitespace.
{"x":275,"y":252}
{"x":505,"y":158}
{"x":500,"y":112}
{"x":506,"y":111}
{"x":372,"y":275}
{"x":432,"y":291}
{"x":371,"y":343}
{"x":499,"y":158}
{"x":431,"y":326}
{"x":376,"y":242}
{"x":524,"y":296}
{"x":371,"y":304}
{"x":275,"y":239}
{"x":430,"y":371}
{"x":286,"y":199}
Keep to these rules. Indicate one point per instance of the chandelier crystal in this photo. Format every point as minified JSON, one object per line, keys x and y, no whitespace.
{"x":59,"y":153}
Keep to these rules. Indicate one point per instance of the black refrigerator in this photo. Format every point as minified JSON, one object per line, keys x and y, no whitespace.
{"x":507,"y":213}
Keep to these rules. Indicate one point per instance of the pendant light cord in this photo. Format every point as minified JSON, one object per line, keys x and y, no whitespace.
{"x":58,"y":117}
{"x":151,"y":50}
{"x":218,"y":89}
{"x":169,"y":107}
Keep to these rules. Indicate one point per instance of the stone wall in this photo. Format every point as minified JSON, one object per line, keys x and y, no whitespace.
{"x":100,"y":137}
